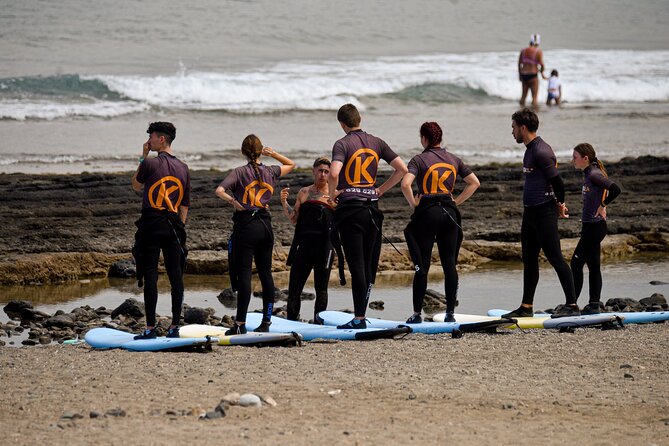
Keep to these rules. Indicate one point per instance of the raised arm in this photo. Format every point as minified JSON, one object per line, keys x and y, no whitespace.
{"x":287,"y":164}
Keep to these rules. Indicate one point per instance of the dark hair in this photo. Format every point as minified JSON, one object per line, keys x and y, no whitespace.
{"x":527,"y":118}
{"x":349,"y":115}
{"x":554,"y":73}
{"x":584,"y":149}
{"x":251,"y":149}
{"x":322,"y":160}
{"x":165,"y":129}
{"x":432,"y":132}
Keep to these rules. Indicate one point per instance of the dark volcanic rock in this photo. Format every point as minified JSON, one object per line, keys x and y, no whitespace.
{"x":624,"y":304}
{"x":61,"y":321}
{"x":131,"y":307}
{"x":656,"y":300}
{"x":123,"y":269}
{"x":196,"y":316}
{"x":13,"y":308}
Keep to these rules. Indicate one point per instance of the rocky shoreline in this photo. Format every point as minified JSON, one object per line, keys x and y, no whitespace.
{"x":63,"y":228}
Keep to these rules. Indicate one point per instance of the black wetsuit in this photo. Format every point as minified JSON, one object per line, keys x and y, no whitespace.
{"x":539,"y":231}
{"x":435,"y":218}
{"x":166,"y":187}
{"x":597,"y":190}
{"x":358,"y":221}
{"x":252,"y":235}
{"x":311,"y":249}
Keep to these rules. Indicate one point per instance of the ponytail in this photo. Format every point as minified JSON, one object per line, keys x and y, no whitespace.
{"x":251,"y":149}
{"x":585,"y":149}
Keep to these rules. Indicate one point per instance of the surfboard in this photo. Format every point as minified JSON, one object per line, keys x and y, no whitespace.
{"x":310,"y":332}
{"x":628,"y":317}
{"x":250,"y":338}
{"x":334,"y":318}
{"x":106,"y":338}
{"x":542,"y":320}
{"x":521,"y":322}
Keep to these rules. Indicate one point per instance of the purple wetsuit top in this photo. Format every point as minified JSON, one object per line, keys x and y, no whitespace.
{"x":436,"y":171}
{"x":249,"y":190}
{"x":360,"y":153}
{"x":539,"y":166}
{"x":166,"y":183}
{"x":595,"y":190}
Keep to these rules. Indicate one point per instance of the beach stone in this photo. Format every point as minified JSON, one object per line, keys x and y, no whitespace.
{"x":32,"y":315}
{"x":123,"y":269}
{"x":14,"y":307}
{"x":117,"y":412}
{"x":71,"y":415}
{"x":228,"y":298}
{"x":620,"y":303}
{"x":214,"y":414}
{"x":61,"y":320}
{"x":102,"y":311}
{"x":250,"y":400}
{"x":231,"y":398}
{"x":658,"y":282}
{"x":2,"y":343}
{"x":131,"y":307}
{"x":95,"y":414}
{"x":85,"y":314}
{"x":29,"y":342}
{"x":196,"y":316}
{"x":44,"y":340}
{"x":656,"y":299}
{"x":268,"y":400}
{"x":376,"y":305}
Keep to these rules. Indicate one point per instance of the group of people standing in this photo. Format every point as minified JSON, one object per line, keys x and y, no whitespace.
{"x":339,"y":215}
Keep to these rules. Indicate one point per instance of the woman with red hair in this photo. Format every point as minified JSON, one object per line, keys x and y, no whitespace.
{"x":436,"y":215}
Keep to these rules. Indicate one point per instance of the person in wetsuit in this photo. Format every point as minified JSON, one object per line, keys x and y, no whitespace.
{"x":530,"y":65}
{"x":311,"y":247}
{"x":358,"y":221}
{"x":543,"y":200}
{"x":165,"y":185}
{"x":436,"y":215}
{"x":248,"y":189}
{"x":598,"y":191}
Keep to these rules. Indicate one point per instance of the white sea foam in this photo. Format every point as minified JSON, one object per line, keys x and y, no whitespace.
{"x":44,"y":109}
{"x":587,"y":76}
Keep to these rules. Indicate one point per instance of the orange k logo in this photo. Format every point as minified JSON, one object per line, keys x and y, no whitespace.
{"x":254,"y":192}
{"x":357,"y":168}
{"x":161,"y":191}
{"x":434,"y":181}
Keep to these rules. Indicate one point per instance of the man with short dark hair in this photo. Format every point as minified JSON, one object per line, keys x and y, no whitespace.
{"x":358,"y":220}
{"x":543,"y":200}
{"x":165,"y":182}
{"x":311,"y":248}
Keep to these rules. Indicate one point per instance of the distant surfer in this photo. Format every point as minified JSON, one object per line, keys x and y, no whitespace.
{"x":165,"y":182}
{"x":358,"y":221}
{"x":554,"y":89}
{"x":436,"y":215}
{"x":311,"y":248}
{"x":248,"y":189}
{"x":530,"y":65}
{"x":543,"y":200}
{"x":598,"y":191}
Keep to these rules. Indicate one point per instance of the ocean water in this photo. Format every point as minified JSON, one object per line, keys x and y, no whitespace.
{"x":79,"y":83}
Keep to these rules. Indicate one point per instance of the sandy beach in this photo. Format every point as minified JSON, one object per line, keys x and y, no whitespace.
{"x":589,"y":387}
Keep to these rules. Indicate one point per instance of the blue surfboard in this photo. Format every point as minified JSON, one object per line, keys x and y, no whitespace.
{"x":628,"y":317}
{"x":334,"y":318}
{"x":106,"y":338}
{"x":310,"y":332}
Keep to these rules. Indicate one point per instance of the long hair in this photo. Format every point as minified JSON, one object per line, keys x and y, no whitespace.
{"x":251,"y":149}
{"x":584,"y":149}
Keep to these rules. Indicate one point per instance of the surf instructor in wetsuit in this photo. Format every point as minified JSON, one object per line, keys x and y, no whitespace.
{"x":358,"y":221}
{"x":543,"y":201}
{"x":311,"y":248}
{"x":530,"y":65}
{"x":165,"y":184}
